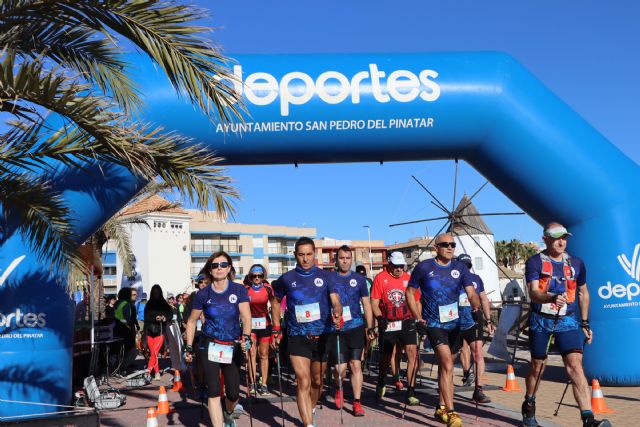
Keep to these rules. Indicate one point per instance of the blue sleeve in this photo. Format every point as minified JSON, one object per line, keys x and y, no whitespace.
{"x":416,"y":277}
{"x":364,"y":291}
{"x":581,"y":278}
{"x":331,"y":286}
{"x":466,"y":276}
{"x":278,"y":288}
{"x":532,"y":269}
{"x":199,"y":300}
{"x":243,"y":294}
{"x":480,"y":285}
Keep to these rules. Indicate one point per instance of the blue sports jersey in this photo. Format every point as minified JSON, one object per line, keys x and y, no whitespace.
{"x":351,"y":288}
{"x":221,"y":310}
{"x":308,"y":305}
{"x":466,"y":319}
{"x":440,"y":286}
{"x":569,"y":321}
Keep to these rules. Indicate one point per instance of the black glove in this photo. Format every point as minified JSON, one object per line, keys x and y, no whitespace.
{"x":421,"y":327}
{"x":382,"y":324}
{"x":187,"y":349}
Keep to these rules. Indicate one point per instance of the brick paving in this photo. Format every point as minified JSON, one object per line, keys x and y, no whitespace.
{"x":503,"y":411}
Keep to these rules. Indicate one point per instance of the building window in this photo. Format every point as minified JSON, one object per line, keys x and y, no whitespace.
{"x":109,"y":270}
{"x":477,"y":264}
{"x":258,"y":242}
{"x":176,"y":225}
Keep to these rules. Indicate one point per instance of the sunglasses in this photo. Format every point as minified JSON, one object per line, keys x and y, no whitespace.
{"x":259,"y":276}
{"x":398,"y":266}
{"x":223,"y":264}
{"x":446,"y":245}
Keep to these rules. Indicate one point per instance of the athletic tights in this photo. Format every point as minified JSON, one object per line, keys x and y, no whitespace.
{"x":154,"y":344}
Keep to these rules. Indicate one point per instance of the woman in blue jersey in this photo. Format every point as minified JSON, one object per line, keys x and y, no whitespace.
{"x":225,"y":305}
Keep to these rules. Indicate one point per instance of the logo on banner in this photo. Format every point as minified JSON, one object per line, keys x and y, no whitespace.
{"x":622,"y":291}
{"x":23,"y":320}
{"x":333,"y":87}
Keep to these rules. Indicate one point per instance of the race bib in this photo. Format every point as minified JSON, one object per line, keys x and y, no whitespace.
{"x":259,"y":323}
{"x":448,"y":313}
{"x":396,"y":325}
{"x":552,"y":308}
{"x":308,"y":312}
{"x":346,"y":313}
{"x":463,"y":301}
{"x":220,"y":353}
{"x":198,"y":325}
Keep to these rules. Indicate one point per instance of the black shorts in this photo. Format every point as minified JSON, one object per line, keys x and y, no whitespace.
{"x":231,"y":371}
{"x":405,"y":336}
{"x":449,"y":337}
{"x":262,"y":334}
{"x":311,"y":347}
{"x":351,"y":345}
{"x":472,"y":334}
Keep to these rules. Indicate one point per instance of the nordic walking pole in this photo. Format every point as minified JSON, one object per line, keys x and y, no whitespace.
{"x":246,"y":367}
{"x":280,"y":384}
{"x":544,"y":362}
{"x":555,"y":414}
{"x":339,"y":376}
{"x":415,"y":371}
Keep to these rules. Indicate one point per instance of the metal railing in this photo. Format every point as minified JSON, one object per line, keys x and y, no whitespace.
{"x":216,"y":248}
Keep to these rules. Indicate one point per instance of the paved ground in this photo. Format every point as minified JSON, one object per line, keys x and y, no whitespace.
{"x":503,"y":411}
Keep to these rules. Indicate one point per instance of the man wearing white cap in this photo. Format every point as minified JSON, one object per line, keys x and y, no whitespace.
{"x":559,"y":297}
{"x":395,"y":322}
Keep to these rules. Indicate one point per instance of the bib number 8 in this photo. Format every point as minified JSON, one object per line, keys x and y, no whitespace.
{"x":307,"y":313}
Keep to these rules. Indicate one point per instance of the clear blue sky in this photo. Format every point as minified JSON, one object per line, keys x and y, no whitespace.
{"x":584,"y":51}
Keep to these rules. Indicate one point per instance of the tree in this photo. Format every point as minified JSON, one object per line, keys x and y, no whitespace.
{"x":67,"y":100}
{"x":511,"y":253}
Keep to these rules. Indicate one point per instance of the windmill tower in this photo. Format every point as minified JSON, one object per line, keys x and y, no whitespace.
{"x":474,"y":237}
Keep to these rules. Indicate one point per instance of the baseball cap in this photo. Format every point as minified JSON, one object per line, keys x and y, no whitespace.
{"x":464,"y":258}
{"x":396,"y":258}
{"x":556,"y":232}
{"x":169,"y":295}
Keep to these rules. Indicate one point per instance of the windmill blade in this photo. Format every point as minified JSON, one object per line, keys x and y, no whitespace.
{"x":418,"y":220}
{"x":494,"y":214}
{"x":455,"y":187}
{"x":438,"y":233}
{"x":481,"y":248}
{"x":438,"y":206}
{"x":431,"y":194}
{"x":474,"y":195}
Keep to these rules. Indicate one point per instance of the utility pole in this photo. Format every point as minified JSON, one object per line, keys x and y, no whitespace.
{"x":370,"y":254}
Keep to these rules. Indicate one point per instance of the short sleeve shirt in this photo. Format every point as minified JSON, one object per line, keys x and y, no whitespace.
{"x":351,"y":289}
{"x":259,"y":301}
{"x":308,"y":305}
{"x":533,"y":269}
{"x":221,"y":310}
{"x":441,"y":286}
{"x":464,"y":307}
{"x":391,"y":293}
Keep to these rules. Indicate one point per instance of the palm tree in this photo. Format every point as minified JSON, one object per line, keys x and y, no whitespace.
{"x":68,"y":100}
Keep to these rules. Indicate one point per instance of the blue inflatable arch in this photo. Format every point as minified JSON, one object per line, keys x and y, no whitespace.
{"x":484,"y":108}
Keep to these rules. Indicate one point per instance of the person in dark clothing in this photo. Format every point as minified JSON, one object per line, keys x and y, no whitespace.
{"x":125,"y":316}
{"x":157,"y":313}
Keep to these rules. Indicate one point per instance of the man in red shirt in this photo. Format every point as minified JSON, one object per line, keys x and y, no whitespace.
{"x":395,"y":322}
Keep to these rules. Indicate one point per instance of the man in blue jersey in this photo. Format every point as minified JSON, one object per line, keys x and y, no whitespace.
{"x":472,"y":333}
{"x":354,"y":297}
{"x":440,"y":281}
{"x":313,"y":305}
{"x":559,"y":297}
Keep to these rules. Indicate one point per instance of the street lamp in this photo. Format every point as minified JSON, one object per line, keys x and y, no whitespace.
{"x":370,"y":255}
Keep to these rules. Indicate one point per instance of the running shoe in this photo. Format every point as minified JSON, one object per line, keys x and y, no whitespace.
{"x":399,"y":385}
{"x":480,"y":397}
{"x":313,"y":413}
{"x":237,"y":411}
{"x":263,"y":390}
{"x":380,"y":390}
{"x":441,"y":414}
{"x":454,"y":420}
{"x":412,"y":400}
{"x":529,"y":414}
{"x":357,"y":409}
{"x":592,"y":422}
{"x":227,"y":419}
{"x":338,"y":399}
{"x":158,"y":377}
{"x":467,"y":381}
{"x":253,"y":389}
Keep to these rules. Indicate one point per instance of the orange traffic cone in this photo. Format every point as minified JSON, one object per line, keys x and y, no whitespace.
{"x":152,"y":420}
{"x":177,"y":381}
{"x":597,"y":399}
{"x":511,"y":384}
{"x":163,"y":402}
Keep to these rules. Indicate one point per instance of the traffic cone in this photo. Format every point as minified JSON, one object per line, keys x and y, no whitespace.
{"x":511,"y":384}
{"x":597,"y":399}
{"x":152,"y":420}
{"x":163,"y":402}
{"x":177,"y":381}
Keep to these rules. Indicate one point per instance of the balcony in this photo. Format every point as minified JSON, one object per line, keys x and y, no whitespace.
{"x":210,"y":249}
{"x":280,"y":253}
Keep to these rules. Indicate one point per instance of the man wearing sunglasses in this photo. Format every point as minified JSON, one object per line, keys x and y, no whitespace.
{"x":395,"y":323}
{"x":558,"y":291}
{"x":312,"y":305}
{"x":440,"y":281}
